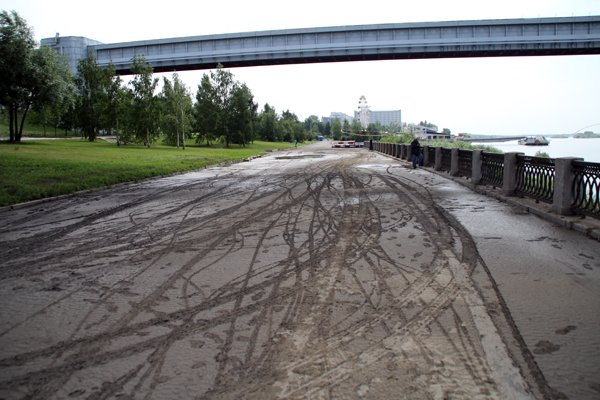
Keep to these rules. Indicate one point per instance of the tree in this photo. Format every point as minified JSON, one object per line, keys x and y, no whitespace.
{"x":224,"y":108}
{"x":243,"y":115}
{"x":205,"y":111}
{"x":336,"y":129}
{"x":96,"y":97}
{"x":16,"y":44}
{"x":356,"y":127}
{"x":29,"y":78}
{"x":267,"y":121}
{"x":58,"y":93}
{"x":119,"y":100}
{"x":394,"y":127}
{"x":145,"y":105}
{"x":446,"y":131}
{"x":374,"y":128}
{"x":312,"y":125}
{"x":346,"y":127}
{"x":176,"y":108}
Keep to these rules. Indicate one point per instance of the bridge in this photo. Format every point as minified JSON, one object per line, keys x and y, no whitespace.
{"x":483,"y":38}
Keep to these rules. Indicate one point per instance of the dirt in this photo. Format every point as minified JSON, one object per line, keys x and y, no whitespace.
{"x":316,"y":273}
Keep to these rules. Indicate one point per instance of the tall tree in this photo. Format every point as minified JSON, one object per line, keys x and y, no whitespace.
{"x":336,"y":129}
{"x":118,"y":103}
{"x":176,"y":107}
{"x":327,"y":129}
{"x":145,"y":104}
{"x":16,"y":45}
{"x":223,"y":107}
{"x":28,"y":77}
{"x":205,"y":111}
{"x":346,"y":127}
{"x":94,"y":85}
{"x":267,"y":123}
{"x":243,"y":113}
{"x":290,"y":127}
{"x":58,"y":94}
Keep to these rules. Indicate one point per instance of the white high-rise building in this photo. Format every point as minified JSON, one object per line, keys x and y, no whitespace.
{"x":367,"y":116}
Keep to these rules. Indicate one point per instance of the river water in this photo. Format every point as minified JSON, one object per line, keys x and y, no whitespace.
{"x":588,"y":149}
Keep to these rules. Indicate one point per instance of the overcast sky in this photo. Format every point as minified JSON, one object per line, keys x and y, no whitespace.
{"x":517,"y":95}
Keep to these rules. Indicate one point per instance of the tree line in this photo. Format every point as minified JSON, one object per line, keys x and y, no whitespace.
{"x":36,"y":82}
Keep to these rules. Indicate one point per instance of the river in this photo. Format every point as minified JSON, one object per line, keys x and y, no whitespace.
{"x":588,"y":149}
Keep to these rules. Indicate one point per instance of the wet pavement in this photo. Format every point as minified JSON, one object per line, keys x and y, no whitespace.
{"x":309,"y":273}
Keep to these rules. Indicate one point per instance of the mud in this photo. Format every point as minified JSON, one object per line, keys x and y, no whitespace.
{"x":319,"y":273}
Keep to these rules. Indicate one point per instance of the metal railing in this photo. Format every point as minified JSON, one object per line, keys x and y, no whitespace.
{"x":430,"y":156}
{"x":465,"y":163}
{"x":577,"y":191}
{"x":586,"y":188}
{"x":446,"y":159}
{"x":535,"y":177}
{"x":492,"y":169}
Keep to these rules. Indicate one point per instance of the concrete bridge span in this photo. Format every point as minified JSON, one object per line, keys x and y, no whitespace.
{"x":483,"y":38}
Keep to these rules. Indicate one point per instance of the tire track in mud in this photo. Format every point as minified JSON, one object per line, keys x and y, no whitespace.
{"x":291,"y":292}
{"x":128,"y":318}
{"x":489,"y":291}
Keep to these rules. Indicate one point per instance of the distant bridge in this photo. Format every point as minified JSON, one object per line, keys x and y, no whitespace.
{"x":485,"y":38}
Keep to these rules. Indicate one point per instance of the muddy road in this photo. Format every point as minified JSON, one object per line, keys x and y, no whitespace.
{"x":313,"y":273}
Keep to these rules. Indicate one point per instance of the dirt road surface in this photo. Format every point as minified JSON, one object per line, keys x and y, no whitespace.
{"x":313,"y":273}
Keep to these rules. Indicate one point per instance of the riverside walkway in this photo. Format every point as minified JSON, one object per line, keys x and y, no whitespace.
{"x":547,"y":268}
{"x":308,"y":273}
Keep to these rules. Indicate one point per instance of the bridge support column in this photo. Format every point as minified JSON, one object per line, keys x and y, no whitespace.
{"x":454,"y":162}
{"x":509,"y":179}
{"x":438,"y":159}
{"x":476,"y":167}
{"x":563,"y":182}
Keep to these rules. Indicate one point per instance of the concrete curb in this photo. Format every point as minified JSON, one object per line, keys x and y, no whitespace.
{"x":587,"y":226}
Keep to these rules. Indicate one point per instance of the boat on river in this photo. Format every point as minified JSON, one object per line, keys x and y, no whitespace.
{"x":534,"y":141}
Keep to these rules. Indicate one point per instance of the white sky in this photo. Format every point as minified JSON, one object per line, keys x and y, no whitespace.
{"x":519,"y":95}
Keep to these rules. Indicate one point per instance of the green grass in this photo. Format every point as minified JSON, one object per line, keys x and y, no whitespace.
{"x":44,"y":168}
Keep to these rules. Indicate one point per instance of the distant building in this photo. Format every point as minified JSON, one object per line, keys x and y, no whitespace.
{"x":426,"y":132}
{"x":367,"y":116}
{"x":337,"y":115}
{"x":74,"y":48}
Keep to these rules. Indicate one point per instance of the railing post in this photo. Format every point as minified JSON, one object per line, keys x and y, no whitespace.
{"x":563,"y":185}
{"x":425,"y":155}
{"x":476,"y":167}
{"x":509,"y":182}
{"x":403,"y":151}
{"x":438,"y":159}
{"x":454,"y":162}
{"x":398,"y":150}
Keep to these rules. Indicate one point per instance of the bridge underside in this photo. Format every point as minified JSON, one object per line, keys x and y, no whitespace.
{"x":307,"y":59}
{"x":495,"y":38}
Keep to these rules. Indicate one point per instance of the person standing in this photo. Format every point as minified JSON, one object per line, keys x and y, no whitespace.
{"x":415,"y":153}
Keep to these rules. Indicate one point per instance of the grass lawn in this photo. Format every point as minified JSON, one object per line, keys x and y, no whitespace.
{"x":43,"y":168}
